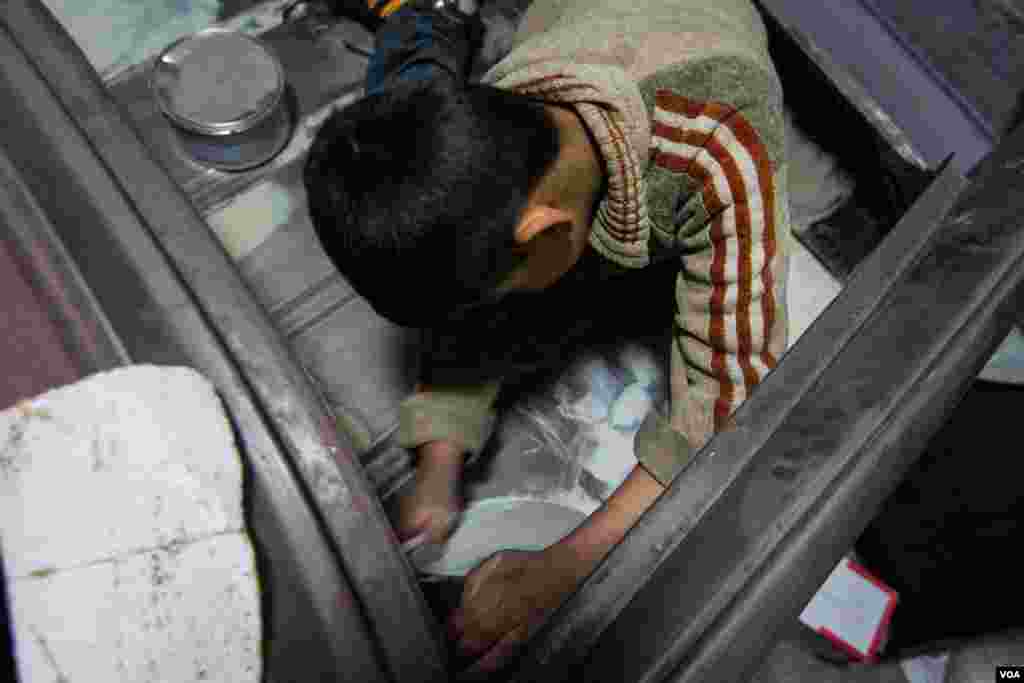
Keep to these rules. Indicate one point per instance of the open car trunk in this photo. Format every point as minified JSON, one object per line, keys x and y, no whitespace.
{"x":165,"y":262}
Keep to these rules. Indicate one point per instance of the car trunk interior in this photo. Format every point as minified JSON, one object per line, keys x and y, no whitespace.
{"x":362,"y":366}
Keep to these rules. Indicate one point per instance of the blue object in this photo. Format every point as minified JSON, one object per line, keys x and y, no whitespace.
{"x":419,"y":44}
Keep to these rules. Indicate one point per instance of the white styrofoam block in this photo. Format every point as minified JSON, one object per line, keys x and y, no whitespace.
{"x":152,"y":616}
{"x":146,"y":457}
{"x":123,"y":536}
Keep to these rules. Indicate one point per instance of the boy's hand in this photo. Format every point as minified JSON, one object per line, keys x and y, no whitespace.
{"x":429,"y":512}
{"x":510,"y":595}
{"x":507,"y":598}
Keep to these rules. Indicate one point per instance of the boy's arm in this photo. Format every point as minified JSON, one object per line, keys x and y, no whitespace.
{"x":717,"y":185}
{"x":459,"y":413}
{"x":730,"y":328}
{"x":732,"y":221}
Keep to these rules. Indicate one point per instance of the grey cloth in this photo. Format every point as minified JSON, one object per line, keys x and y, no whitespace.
{"x":818,"y":186}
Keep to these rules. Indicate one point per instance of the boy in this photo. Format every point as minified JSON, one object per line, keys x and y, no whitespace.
{"x":502,"y":217}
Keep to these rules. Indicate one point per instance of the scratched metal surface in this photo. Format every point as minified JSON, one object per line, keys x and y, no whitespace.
{"x":321,"y":72}
{"x":976,"y":45}
{"x":902,"y":87}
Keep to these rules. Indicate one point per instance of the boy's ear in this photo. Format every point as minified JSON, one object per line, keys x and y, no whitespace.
{"x":538,"y":219}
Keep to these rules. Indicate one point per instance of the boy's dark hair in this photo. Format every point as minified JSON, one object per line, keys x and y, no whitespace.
{"x":415,"y":193}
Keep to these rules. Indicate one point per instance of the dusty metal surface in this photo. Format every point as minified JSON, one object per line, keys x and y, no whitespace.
{"x":321,"y":72}
{"x":145,"y":252}
{"x":904,"y":88}
{"x":851,"y":89}
{"x":972,"y":45}
{"x":358,"y":361}
{"x":223,"y":93}
{"x":85,"y":331}
{"x":887,"y":183}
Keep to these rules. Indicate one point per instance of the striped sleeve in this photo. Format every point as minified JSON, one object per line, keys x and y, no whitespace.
{"x":463,"y":413}
{"x":730,"y":326}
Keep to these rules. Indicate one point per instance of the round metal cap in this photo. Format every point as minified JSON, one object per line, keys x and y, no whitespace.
{"x":217,"y":82}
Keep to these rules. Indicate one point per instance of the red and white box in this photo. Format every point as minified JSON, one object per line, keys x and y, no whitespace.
{"x":853,"y":610}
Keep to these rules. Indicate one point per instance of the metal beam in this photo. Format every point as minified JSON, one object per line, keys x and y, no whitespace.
{"x":55,"y":278}
{"x":739,"y":543}
{"x":903,"y":88}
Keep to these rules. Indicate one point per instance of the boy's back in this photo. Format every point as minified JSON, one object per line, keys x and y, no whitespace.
{"x":685,"y":102}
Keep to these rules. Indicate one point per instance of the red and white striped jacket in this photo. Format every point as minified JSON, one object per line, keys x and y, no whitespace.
{"x":685,"y":104}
